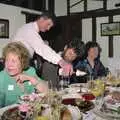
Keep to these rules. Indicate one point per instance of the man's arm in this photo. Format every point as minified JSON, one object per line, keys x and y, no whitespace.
{"x":49,"y":54}
{"x":36,"y":42}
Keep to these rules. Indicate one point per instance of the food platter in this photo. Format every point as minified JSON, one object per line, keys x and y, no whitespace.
{"x":83,"y":105}
{"x":105,"y":115}
{"x":109,"y":108}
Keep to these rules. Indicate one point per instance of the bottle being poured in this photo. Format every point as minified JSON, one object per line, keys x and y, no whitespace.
{"x":77,"y":72}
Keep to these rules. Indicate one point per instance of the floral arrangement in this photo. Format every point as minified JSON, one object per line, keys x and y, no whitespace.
{"x":47,"y":107}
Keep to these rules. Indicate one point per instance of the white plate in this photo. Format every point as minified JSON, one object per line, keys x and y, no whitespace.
{"x":72,"y":90}
{"x":75,"y":112}
{"x":105,"y":115}
{"x":76,"y":95}
{"x":111,"y":89}
{"x":110,"y":105}
{"x":78,"y":85}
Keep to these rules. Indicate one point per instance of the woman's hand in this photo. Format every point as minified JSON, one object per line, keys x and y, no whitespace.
{"x":41,"y":86}
{"x":21,"y":78}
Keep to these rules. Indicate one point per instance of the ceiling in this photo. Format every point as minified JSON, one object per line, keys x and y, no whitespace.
{"x":31,"y":4}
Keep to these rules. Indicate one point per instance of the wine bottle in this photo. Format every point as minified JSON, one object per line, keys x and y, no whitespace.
{"x":77,"y":72}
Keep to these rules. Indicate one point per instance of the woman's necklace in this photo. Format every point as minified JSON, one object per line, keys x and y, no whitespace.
{"x":91,"y":62}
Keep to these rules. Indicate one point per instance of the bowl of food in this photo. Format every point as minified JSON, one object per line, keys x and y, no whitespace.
{"x":83,"y":105}
{"x":88,"y":96}
{"x":71,"y":113}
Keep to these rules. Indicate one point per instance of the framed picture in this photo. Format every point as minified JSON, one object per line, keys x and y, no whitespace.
{"x":110,"y":29}
{"x":4,"y":28}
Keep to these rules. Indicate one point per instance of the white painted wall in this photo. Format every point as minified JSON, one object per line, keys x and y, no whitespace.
{"x":61,"y":7}
{"x":92,"y":5}
{"x":16,"y":20}
{"x":87,"y":30}
{"x":102,"y":40}
{"x":116,"y":39}
{"x":77,"y":8}
{"x":111,"y":4}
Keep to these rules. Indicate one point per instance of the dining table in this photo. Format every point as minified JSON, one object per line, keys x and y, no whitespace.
{"x":92,"y":114}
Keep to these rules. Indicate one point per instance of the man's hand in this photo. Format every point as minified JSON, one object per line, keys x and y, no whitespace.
{"x":67,"y":68}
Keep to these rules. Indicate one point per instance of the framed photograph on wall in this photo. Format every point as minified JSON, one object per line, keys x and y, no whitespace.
{"x":110,"y":29}
{"x":4,"y":28}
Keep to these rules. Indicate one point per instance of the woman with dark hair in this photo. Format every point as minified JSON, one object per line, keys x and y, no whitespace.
{"x":92,"y":64}
{"x":72,"y":50}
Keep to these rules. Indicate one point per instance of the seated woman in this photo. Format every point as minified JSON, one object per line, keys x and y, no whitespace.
{"x":17,"y":78}
{"x":92,"y":64}
{"x":72,"y":50}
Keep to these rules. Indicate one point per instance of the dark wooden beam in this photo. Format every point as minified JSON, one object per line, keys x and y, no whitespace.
{"x":44,"y":5}
{"x":117,"y":5}
{"x":29,"y":13}
{"x":68,"y":7}
{"x":98,"y":13}
{"x":105,"y":4}
{"x":94,"y":29}
{"x":18,"y":2}
{"x":51,"y":6}
{"x":110,"y":49}
{"x":85,"y":5}
{"x":30,"y":4}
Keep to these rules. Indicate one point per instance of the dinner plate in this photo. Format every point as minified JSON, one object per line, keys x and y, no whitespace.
{"x":111,"y":88}
{"x":111,"y":103}
{"x":105,"y":115}
{"x":107,"y":108}
{"x":82,"y":104}
{"x":72,"y":90}
{"x":78,"y":85}
{"x":75,"y":112}
{"x":74,"y":95}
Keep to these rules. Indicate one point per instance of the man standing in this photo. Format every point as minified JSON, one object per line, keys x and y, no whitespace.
{"x":28,"y":34}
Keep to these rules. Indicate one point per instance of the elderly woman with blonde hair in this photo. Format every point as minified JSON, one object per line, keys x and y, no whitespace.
{"x":18,"y":77}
